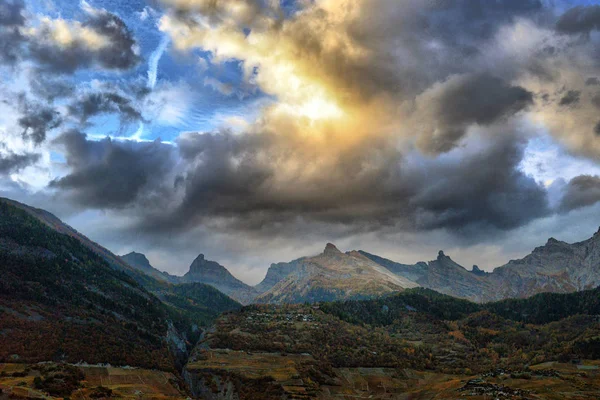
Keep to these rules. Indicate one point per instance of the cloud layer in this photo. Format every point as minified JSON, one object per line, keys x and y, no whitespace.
{"x":379,"y":115}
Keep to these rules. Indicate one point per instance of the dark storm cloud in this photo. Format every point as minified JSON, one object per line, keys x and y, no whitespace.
{"x":111,"y":174}
{"x":93,"y":104}
{"x":11,"y":162}
{"x":462,"y":101}
{"x":484,"y":190}
{"x":581,"y":191}
{"x":235,"y":179}
{"x":580,"y":19}
{"x":417,"y":43}
{"x":481,"y":99}
{"x":37,"y":120}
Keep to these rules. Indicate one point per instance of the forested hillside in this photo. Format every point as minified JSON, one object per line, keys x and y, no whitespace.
{"x":60,"y":300}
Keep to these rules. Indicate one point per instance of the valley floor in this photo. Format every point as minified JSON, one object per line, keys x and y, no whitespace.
{"x":18,"y":381}
{"x":257,"y":371}
{"x":256,"y":375}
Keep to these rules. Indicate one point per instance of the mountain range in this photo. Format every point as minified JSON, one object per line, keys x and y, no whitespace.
{"x":557,"y":267}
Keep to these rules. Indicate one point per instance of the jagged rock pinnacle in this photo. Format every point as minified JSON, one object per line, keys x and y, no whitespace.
{"x":331,"y":249}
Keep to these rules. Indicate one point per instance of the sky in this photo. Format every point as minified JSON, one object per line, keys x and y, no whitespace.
{"x":256,"y":131}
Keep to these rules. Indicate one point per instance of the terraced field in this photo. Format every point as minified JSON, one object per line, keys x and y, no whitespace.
{"x":223,"y":371}
{"x":125,"y":383}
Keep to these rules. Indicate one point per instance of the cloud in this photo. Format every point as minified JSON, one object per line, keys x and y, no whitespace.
{"x":261,"y":183}
{"x":11,"y":40}
{"x":11,"y":13}
{"x":111,"y":174}
{"x":50,"y":88}
{"x":97,"y":103}
{"x":102,"y":40}
{"x":449,"y":108}
{"x":11,"y":162}
{"x":155,"y":59}
{"x":37,"y":119}
{"x":580,"y":19}
{"x":483,"y":188}
{"x":581,"y":191}
{"x":572,"y":97}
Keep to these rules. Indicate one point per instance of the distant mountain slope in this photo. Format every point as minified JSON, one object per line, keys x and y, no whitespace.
{"x":556,"y":267}
{"x":333,"y":275}
{"x":214,"y":274}
{"x":443,"y":275}
{"x":141,"y":263}
{"x":202,"y":273}
{"x":276,"y":273}
{"x":203,"y":302}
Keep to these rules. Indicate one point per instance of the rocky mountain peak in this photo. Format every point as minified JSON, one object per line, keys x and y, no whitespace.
{"x":215,"y":274}
{"x":441,"y":255}
{"x":202,"y":265}
{"x":330,"y":249}
{"x":140,"y":258}
{"x":478,"y":271}
{"x":137,"y":260}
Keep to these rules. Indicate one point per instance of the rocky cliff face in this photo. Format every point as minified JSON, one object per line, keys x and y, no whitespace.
{"x":442,"y":274}
{"x":276,"y":273}
{"x":555,"y":267}
{"x":214,"y":274}
{"x":332,"y":275}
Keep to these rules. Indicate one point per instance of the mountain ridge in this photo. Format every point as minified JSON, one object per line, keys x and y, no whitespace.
{"x":212,"y":273}
{"x":333,"y":275}
{"x":557,"y":267}
{"x":548,"y":268}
